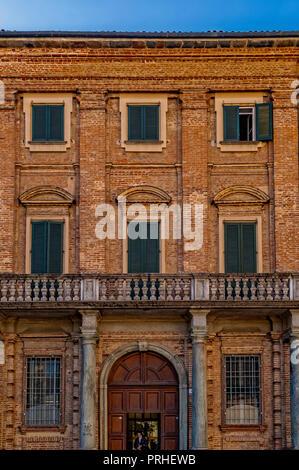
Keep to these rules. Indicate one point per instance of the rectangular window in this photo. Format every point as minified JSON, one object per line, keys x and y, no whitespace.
{"x":47,"y":123}
{"x":240,"y":247}
{"x":143,"y":252}
{"x":43,"y":391}
{"x":245,"y":124}
{"x":242,"y":390}
{"x":143,"y":122}
{"x":47,"y":247}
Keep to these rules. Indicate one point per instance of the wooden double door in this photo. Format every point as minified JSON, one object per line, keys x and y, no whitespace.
{"x":143,"y":388}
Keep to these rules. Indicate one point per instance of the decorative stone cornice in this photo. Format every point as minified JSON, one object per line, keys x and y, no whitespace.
{"x":144,"y":194}
{"x":46,"y":195}
{"x":241,"y":195}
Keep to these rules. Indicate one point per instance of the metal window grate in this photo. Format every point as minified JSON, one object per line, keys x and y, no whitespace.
{"x":43,"y":391}
{"x":242,"y":390}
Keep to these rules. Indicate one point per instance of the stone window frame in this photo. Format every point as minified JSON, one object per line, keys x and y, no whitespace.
{"x":160,"y":99}
{"x":36,"y":218}
{"x":44,"y":350}
{"x":244,"y":99}
{"x":30,"y":99}
{"x":259,"y":238}
{"x":249,"y":350}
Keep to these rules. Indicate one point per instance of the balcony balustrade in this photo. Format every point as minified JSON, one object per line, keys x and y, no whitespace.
{"x":149,"y":287}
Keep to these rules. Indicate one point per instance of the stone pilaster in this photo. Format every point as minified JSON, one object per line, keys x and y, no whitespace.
{"x":294,"y":340}
{"x":199,"y":379}
{"x":89,"y":333}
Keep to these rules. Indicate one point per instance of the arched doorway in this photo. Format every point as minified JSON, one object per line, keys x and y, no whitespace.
{"x":143,"y":395}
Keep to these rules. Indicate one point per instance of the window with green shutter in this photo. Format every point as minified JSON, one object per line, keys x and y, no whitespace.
{"x":143,"y":122}
{"x":245,"y":123}
{"x":47,"y":247}
{"x":47,"y":123}
{"x":240,"y":247}
{"x":144,"y":253}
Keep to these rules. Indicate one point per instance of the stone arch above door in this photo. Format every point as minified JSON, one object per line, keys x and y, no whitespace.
{"x":103,"y":381}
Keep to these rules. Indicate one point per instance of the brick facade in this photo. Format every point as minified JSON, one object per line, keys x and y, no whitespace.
{"x":192,"y":169}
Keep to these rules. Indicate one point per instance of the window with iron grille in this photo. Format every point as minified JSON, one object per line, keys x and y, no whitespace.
{"x":242,"y":390}
{"x":43,"y":391}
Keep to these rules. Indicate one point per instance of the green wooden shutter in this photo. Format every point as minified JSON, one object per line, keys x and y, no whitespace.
{"x":231,"y":123}
{"x":248,"y":248}
{"x":264,"y":121}
{"x":39,"y":123}
{"x":55,"y":123}
{"x":151,"y":122}
{"x":232,"y":247}
{"x":39,"y":248}
{"x":55,"y":247}
{"x":143,"y":254}
{"x":152,"y":251}
{"x":135,"y":123}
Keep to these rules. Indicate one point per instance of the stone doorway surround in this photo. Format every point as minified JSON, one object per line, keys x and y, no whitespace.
{"x":103,"y":378}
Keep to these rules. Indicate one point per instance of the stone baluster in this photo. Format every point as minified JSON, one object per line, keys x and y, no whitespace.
{"x":285,"y":289}
{"x":229,"y":289}
{"x":214,"y":288}
{"x":161,"y":288}
{"x":136,"y":288}
{"x":187,"y":289}
{"x":199,"y":380}
{"x":237,"y":288}
{"x":76,"y":290}
{"x":221,"y":282}
{"x":128,"y":289}
{"x":169,"y":289}
{"x":12,"y":290}
{"x":120,"y":293}
{"x":177,"y":289}
{"x":20,"y":290}
{"x":269,"y":289}
{"x":36,"y":290}
{"x":4,"y":289}
{"x":153,"y":289}
{"x":144,"y":288}
{"x":44,"y":290}
{"x":112,"y":289}
{"x":67,"y":290}
{"x":245,"y":289}
{"x":52,"y":291}
{"x":261,"y":288}
{"x":60,"y":291}
{"x":277,"y":285}
{"x":28,"y":290}
{"x":103,"y":294}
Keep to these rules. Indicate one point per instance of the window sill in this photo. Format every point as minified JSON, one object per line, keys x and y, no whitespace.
{"x":240,"y":146}
{"x":47,"y":142}
{"x":24,"y":429}
{"x":48,"y":146}
{"x":143,"y":141}
{"x":243,"y":427}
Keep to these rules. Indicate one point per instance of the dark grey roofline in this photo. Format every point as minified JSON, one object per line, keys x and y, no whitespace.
{"x":144,"y":34}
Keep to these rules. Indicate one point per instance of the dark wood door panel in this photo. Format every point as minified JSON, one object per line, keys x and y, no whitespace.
{"x":134,"y":401}
{"x":116,"y":400}
{"x":152,"y":401}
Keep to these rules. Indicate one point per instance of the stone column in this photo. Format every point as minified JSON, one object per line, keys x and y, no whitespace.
{"x":199,"y":380}
{"x":88,"y":387}
{"x":294,"y":356}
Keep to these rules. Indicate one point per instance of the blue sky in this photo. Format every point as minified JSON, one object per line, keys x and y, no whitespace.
{"x":149,"y":15}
